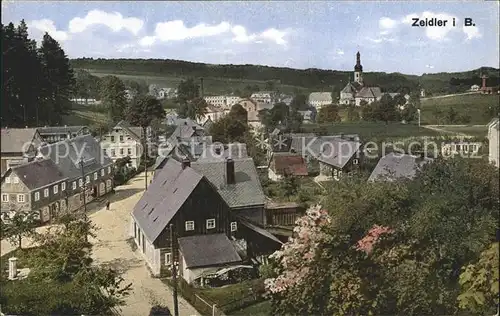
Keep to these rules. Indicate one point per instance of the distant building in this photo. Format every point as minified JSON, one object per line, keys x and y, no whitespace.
{"x":53,"y":134}
{"x":474,"y":87}
{"x":213,"y":114}
{"x":84,"y":101}
{"x":222,"y":101}
{"x":19,"y":146}
{"x":422,"y":93}
{"x":493,"y":139}
{"x":307,"y":116}
{"x":485,"y":89}
{"x":267,"y":97}
{"x":287,"y":164}
{"x":320,"y":99}
{"x":394,"y":166}
{"x":122,"y":141}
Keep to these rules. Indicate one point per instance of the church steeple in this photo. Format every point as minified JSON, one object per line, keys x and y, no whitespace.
{"x":358,"y":70}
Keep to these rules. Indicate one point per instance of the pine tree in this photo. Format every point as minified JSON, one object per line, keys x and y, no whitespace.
{"x":113,"y":97}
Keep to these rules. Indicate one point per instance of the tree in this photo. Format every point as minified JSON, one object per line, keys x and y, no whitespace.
{"x":270,"y":85}
{"x":385,"y":110}
{"x":194,"y":109}
{"x":113,"y":97}
{"x":409,"y":113}
{"x":143,"y":110}
{"x":87,"y":86}
{"x":452,"y":115}
{"x":20,"y":225}
{"x":290,"y":186}
{"x":187,"y":90}
{"x":239,"y":113}
{"x":352,"y":114}
{"x":329,"y":114}
{"x":299,"y":102}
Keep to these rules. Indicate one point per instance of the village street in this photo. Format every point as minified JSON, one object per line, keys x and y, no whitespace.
{"x":111,"y":247}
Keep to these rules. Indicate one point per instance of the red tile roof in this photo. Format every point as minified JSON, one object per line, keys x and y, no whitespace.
{"x":291,"y":164}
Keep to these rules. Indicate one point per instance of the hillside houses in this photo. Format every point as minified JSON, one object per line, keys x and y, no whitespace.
{"x":53,"y":134}
{"x":18,"y":146}
{"x":222,"y":101}
{"x":320,"y":99}
{"x":394,"y":166}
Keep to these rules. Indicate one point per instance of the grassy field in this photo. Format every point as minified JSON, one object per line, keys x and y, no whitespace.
{"x":474,"y":105}
{"x":81,"y":115}
{"x":212,"y":86}
{"x":476,"y":131}
{"x":368,"y":131}
{"x":259,"y":309}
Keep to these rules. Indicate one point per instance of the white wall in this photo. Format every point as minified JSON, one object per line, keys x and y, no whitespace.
{"x":126,"y":144}
{"x":493,"y":138}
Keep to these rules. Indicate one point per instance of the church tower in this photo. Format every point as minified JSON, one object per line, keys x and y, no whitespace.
{"x":358,"y":70}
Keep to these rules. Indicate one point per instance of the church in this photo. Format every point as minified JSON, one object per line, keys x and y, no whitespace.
{"x":356,"y":92}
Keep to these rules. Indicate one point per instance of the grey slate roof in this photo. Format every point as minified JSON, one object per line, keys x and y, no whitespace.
{"x":47,"y":130}
{"x":38,"y":173}
{"x":369,"y":92}
{"x":13,"y":139}
{"x":260,"y":231}
{"x":216,"y":249}
{"x":164,"y":197}
{"x":246,"y":192}
{"x":234,"y":150}
{"x":351,"y":87}
{"x":320,"y":97}
{"x":67,"y":154}
{"x":338,"y":152}
{"x":394,"y":165}
{"x":134,"y":131}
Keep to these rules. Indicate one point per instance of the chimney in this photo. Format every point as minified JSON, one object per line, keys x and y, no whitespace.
{"x":186,"y":163}
{"x":230,"y":171}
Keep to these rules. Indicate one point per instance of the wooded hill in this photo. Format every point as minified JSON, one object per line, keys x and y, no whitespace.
{"x":319,"y":79}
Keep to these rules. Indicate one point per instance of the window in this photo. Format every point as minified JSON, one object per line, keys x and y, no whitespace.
{"x":95,"y":175}
{"x":56,"y":189}
{"x":63,"y":186}
{"x":335,"y":172}
{"x":87,"y":179}
{"x":5,"y":197}
{"x":189,"y":225}
{"x":109,"y":170}
{"x":102,"y":172}
{"x":355,"y":161}
{"x":122,"y":151}
{"x":7,"y":180}
{"x":234,"y":226}
{"x":121,"y":138}
{"x":112,"y":139}
{"x":46,"y":193}
{"x":129,"y":151}
{"x":168,"y":258}
{"x":20,"y":198}
{"x":37,"y":196}
{"x":73,"y":186}
{"x":80,"y":183}
{"x":104,"y":151}
{"x":15,"y":179}
{"x":211,"y":223}
{"x":113,"y":153}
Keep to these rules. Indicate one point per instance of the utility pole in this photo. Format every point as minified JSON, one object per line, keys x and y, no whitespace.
{"x":174,"y":271}
{"x":84,"y":199}
{"x":145,"y":158}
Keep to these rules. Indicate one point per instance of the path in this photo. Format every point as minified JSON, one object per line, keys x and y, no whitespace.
{"x":448,"y":95}
{"x":111,"y":247}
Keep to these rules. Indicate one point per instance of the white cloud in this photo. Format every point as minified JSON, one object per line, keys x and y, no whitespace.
{"x":387,"y":23}
{"x":340,"y":52}
{"x":429,"y":66}
{"x":46,"y":25}
{"x":472,"y":32}
{"x":177,"y":31}
{"x":115,"y":21}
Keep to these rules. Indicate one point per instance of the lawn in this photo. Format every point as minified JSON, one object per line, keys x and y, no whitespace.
{"x":259,"y":309}
{"x":211,"y":86}
{"x":81,"y":115}
{"x":475,"y":131}
{"x":369,"y":131}
{"x":20,"y":254}
{"x":474,"y":105}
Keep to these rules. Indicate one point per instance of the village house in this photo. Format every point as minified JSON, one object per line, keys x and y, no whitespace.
{"x":493,"y":139}
{"x":54,"y":134}
{"x":222,"y":101}
{"x":267,"y":97}
{"x":474,"y":88}
{"x":208,"y":239}
{"x":253,"y":108}
{"x":394,"y":166}
{"x":18,"y":145}
{"x":213,"y":114}
{"x":308,"y":116}
{"x":460,"y":147}
{"x":320,"y":99}
{"x":284,"y":164}
{"x":122,"y":141}
{"x":84,"y":165}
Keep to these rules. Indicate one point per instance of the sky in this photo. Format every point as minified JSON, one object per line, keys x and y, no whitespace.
{"x":303,"y":34}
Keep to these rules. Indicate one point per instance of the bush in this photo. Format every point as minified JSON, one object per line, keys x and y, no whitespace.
{"x":160,"y":310}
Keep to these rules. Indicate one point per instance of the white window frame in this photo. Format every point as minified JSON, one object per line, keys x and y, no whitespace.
{"x":168,"y":258}
{"x":74,"y":185}
{"x":102,"y":172}
{"x":355,"y":161}
{"x":189,"y":225}
{"x":45,"y":192}
{"x":15,"y":179}
{"x":234,"y":226}
{"x":87,"y":179}
{"x":21,"y":198}
{"x":109,"y":170}
{"x":56,"y":189}
{"x":80,"y":182}
{"x":7,"y":180}
{"x":95,"y":175}
{"x":63,"y":186}
{"x":129,"y":151}
{"x":210,"y":223}
{"x":37,"y":196}
{"x":5,"y":197}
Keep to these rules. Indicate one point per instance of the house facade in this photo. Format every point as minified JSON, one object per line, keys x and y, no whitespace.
{"x":493,"y":139}
{"x":213,"y":114}
{"x":205,"y":239}
{"x":18,"y":146}
{"x":320,"y":99}
{"x":267,"y":97}
{"x":53,"y":134}
{"x":222,"y":101}
{"x":122,"y":141}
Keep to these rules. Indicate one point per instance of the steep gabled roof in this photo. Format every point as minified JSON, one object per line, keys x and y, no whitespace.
{"x":38,"y":173}
{"x":338,"y":152}
{"x":135,"y":131}
{"x":394,"y":166}
{"x":369,"y":92}
{"x":234,"y":150}
{"x":13,"y":139}
{"x":290,"y":164}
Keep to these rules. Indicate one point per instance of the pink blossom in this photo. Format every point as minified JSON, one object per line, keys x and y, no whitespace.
{"x":367,"y":243}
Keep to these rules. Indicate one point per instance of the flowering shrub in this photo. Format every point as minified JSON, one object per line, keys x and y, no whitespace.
{"x":367,"y":243}
{"x":294,"y":257}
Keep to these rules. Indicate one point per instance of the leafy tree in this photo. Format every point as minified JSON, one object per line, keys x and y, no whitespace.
{"x":239,"y":113}
{"x":87,"y":86}
{"x":187,"y":91}
{"x":329,"y":114}
{"x":409,"y":113}
{"x":352,"y":114}
{"x":399,"y":100}
{"x":299,"y":102}
{"x":270,"y":85}
{"x":290,"y":186}
{"x":20,"y":225}
{"x":294,"y":121}
{"x":194,"y":109}
{"x":385,"y":110}
{"x":452,"y":115}
{"x":112,"y":95}
{"x":143,"y":110}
